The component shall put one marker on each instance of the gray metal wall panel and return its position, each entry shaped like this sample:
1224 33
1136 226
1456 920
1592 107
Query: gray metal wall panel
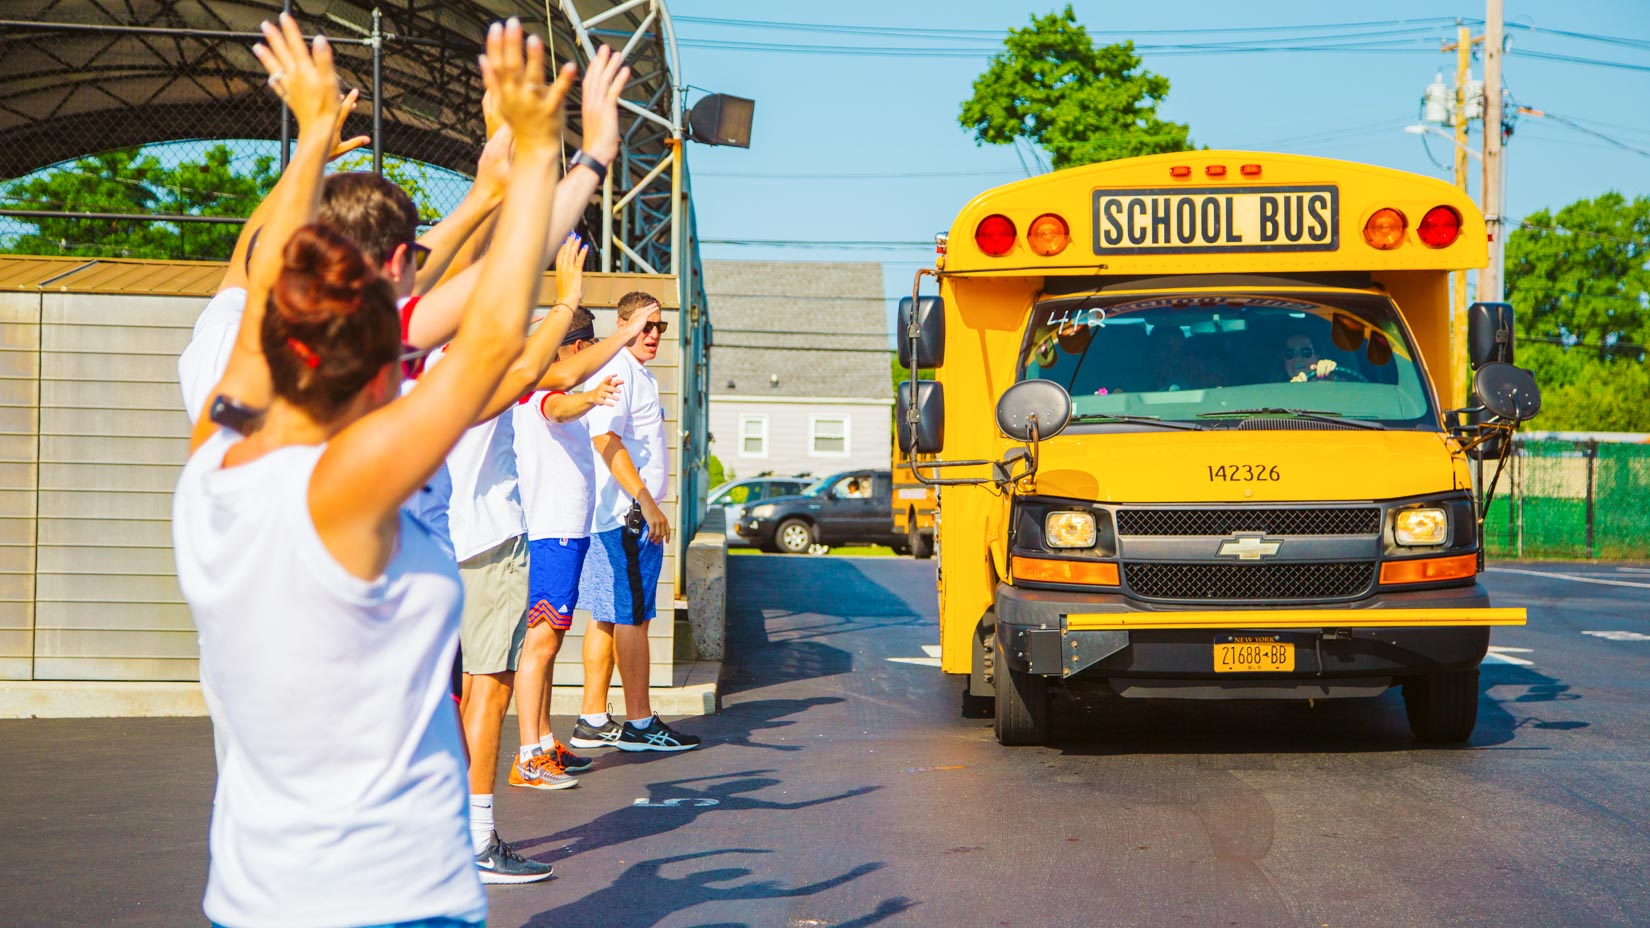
19 468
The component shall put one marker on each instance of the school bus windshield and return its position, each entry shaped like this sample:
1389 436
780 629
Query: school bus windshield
1213 358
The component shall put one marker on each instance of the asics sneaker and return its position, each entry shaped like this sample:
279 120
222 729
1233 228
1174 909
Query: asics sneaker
586 735
499 863
570 762
540 772
656 737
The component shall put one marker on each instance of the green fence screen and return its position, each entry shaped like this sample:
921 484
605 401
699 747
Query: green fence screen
1571 499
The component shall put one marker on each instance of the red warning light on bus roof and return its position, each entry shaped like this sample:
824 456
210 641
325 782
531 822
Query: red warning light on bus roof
1440 227
995 235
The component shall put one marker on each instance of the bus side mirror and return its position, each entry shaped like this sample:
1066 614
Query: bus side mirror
927 434
1489 334
927 320
1040 403
1507 392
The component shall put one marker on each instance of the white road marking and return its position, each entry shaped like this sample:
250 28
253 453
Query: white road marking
932 660
1571 577
1633 570
1619 636
1500 655
697 802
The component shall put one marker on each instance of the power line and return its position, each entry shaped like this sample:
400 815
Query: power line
1564 121
923 32
1576 59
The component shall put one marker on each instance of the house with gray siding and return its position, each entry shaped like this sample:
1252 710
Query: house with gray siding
799 367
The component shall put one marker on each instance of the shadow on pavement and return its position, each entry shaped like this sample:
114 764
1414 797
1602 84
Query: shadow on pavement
647 895
673 804
1095 725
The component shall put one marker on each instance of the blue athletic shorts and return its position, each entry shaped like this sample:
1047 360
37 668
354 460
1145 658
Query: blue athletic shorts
621 579
553 567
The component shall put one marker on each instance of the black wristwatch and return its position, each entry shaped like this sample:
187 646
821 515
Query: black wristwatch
230 414
581 157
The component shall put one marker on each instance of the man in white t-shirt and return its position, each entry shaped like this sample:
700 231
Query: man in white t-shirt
556 465
629 532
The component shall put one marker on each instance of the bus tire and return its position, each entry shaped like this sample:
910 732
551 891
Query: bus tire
794 536
1442 707
1023 707
920 542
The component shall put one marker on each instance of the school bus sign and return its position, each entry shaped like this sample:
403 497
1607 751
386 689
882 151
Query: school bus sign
1178 220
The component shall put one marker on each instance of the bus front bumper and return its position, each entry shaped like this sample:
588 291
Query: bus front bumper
1144 649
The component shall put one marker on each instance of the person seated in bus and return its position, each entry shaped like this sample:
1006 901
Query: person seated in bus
1173 367
1303 362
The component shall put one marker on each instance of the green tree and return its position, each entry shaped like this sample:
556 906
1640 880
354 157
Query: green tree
411 176
1579 282
130 181
1081 102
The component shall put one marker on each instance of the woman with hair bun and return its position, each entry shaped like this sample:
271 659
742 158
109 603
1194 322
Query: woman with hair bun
328 615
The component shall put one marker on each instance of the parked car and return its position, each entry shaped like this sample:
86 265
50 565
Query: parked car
736 496
852 507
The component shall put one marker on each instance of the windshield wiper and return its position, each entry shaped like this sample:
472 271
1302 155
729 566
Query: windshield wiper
1141 420
1315 415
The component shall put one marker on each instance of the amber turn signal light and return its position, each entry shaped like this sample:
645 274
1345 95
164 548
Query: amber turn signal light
1385 229
1045 570
1429 569
1048 235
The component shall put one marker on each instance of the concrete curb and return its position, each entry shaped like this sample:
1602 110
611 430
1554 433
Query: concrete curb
696 692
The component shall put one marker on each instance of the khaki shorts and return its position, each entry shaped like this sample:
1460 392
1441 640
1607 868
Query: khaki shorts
494 622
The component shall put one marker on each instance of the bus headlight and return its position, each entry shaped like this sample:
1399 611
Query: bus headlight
1420 527
1069 529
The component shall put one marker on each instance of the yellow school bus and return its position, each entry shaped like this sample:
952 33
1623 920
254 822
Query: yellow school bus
915 508
1200 436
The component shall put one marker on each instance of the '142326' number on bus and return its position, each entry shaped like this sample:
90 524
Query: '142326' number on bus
1243 473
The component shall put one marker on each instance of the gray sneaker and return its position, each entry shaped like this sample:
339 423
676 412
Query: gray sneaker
499 863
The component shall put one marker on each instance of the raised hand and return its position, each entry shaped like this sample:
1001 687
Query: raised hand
493 170
606 392
604 82
342 146
570 271
632 327
514 72
304 79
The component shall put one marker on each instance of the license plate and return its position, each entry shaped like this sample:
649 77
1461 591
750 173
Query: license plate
1254 654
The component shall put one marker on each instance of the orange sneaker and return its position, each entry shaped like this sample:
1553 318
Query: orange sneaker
540 772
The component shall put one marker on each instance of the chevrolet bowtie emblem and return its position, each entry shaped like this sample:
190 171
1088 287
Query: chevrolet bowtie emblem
1248 548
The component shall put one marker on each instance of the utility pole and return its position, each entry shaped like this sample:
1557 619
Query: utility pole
1462 47
1490 283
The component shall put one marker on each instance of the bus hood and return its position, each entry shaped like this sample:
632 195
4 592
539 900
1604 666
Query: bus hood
1246 466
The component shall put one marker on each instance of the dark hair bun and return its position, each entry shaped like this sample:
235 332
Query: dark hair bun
322 275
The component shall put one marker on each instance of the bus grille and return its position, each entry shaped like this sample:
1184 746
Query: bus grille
1364 520
1250 583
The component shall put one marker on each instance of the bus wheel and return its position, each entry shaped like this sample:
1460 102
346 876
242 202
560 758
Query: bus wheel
1442 707
921 543
794 536
1023 707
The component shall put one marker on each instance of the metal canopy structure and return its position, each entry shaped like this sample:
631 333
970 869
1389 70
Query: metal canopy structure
80 77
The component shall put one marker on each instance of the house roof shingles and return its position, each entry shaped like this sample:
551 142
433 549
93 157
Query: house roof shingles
820 326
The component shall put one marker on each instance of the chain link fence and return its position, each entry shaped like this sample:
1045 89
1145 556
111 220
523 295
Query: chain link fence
147 131
1572 498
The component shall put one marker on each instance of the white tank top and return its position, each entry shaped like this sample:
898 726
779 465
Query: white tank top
341 793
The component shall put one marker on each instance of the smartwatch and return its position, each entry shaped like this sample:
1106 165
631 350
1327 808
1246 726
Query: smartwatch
579 157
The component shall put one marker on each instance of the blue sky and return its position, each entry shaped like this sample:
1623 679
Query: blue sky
820 116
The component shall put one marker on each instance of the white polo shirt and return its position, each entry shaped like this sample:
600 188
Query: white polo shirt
557 467
639 419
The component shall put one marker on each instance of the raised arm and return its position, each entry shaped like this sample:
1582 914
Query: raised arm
437 314
565 407
306 81
371 467
235 275
457 237
570 372
540 350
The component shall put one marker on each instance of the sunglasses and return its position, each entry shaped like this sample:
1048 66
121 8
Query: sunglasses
420 255
1304 351
412 360
659 327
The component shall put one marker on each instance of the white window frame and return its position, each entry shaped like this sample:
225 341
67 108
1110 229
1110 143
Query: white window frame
761 420
847 435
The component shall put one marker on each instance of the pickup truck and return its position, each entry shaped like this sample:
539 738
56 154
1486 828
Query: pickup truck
851 507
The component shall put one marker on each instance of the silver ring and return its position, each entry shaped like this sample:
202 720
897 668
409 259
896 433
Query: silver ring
276 78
